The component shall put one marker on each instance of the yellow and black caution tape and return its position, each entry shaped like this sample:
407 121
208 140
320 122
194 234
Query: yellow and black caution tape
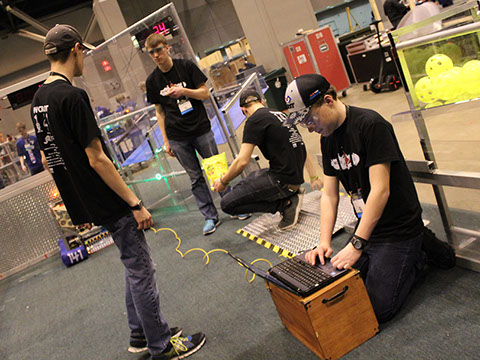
282 252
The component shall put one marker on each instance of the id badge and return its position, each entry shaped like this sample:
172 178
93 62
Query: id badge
358 203
185 106
28 146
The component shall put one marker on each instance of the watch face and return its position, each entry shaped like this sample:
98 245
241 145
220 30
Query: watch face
357 244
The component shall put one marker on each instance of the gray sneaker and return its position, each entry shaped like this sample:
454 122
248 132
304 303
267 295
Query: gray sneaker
290 214
138 342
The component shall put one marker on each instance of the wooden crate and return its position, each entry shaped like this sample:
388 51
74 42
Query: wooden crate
332 321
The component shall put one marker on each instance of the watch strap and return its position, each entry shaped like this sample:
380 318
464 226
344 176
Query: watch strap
138 206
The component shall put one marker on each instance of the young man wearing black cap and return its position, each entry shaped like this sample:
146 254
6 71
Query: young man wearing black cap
177 88
360 149
278 187
94 192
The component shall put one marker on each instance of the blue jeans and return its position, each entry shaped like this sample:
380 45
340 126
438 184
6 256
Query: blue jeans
390 270
184 151
258 192
141 292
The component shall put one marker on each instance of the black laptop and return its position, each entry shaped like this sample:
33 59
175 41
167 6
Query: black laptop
296 275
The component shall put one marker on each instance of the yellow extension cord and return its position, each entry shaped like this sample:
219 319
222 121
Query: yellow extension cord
206 257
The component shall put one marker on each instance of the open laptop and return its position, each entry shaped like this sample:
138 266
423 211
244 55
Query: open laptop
296 275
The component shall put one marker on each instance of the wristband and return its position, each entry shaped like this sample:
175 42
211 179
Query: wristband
313 178
221 182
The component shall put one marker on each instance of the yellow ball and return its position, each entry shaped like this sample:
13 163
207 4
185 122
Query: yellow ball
446 86
434 104
470 78
424 90
438 64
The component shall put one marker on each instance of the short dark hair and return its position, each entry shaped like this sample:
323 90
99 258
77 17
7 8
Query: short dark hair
331 91
60 57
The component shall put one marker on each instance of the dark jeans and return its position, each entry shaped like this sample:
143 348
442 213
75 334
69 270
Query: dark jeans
258 192
141 292
184 151
390 270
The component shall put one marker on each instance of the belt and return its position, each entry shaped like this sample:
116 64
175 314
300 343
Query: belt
293 188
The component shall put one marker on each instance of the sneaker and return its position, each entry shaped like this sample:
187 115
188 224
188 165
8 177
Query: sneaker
138 343
241 216
439 253
181 347
210 226
290 214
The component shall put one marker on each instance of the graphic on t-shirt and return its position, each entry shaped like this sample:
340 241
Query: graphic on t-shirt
345 161
165 90
295 137
52 154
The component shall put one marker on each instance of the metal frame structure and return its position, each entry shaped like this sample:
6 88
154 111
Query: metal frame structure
428 171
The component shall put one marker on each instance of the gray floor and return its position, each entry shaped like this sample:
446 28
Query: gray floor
53 312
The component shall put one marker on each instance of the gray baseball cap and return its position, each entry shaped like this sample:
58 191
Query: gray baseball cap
63 37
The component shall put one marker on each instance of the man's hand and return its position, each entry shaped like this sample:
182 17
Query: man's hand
175 92
168 149
316 183
143 217
24 168
218 186
347 257
323 250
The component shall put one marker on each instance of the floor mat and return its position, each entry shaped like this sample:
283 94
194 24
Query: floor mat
264 229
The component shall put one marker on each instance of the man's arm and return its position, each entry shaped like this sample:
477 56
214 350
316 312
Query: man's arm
160 113
106 170
237 166
377 200
44 161
328 216
200 93
315 180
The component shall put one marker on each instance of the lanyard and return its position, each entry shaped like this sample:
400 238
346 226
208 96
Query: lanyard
170 83
53 73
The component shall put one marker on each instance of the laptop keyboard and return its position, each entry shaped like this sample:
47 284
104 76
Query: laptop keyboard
308 275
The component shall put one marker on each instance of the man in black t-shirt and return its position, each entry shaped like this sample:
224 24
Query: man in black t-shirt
94 192
177 88
360 149
278 187
395 11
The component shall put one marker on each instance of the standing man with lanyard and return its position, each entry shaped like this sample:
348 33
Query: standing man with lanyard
28 150
94 192
177 88
360 149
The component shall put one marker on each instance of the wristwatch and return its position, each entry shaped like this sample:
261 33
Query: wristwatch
138 206
358 242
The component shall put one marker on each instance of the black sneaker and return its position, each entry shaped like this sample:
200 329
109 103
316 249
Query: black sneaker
181 347
138 343
439 253
290 214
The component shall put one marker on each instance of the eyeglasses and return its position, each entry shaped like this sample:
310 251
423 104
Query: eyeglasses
157 49
309 120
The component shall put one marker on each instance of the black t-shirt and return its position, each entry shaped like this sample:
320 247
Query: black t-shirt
65 126
363 140
177 126
281 144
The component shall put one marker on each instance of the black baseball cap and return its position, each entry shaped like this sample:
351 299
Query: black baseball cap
248 96
302 93
63 37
